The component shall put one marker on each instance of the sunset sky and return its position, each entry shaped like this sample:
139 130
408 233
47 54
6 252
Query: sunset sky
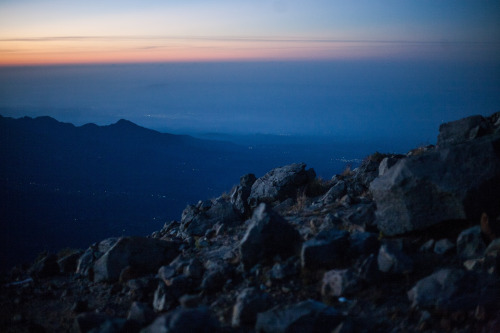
58 32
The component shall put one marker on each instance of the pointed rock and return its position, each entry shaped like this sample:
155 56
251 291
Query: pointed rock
268 235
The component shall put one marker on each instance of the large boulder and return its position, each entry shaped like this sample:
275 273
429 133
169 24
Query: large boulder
239 195
268 235
143 255
85 263
307 316
280 184
456 290
459 180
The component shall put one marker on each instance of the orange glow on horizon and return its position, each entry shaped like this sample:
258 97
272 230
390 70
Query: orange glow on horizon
94 50
87 52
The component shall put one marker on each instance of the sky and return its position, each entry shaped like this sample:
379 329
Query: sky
96 31
356 69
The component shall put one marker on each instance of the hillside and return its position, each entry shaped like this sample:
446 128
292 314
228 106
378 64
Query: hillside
74 185
401 243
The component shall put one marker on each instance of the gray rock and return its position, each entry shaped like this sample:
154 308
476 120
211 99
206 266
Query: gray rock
454 182
249 303
361 215
326 250
196 220
339 282
141 313
443 246
462 130
392 259
142 254
437 288
280 184
163 299
367 172
386 164
268 235
336 192
470 244
85 264
239 195
184 320
307 316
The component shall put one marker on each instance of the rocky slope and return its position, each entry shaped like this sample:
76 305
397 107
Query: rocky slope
402 243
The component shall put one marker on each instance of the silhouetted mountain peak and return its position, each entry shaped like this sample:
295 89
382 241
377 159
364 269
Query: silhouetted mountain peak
125 123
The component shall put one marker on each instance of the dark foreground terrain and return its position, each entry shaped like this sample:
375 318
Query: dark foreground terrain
402 243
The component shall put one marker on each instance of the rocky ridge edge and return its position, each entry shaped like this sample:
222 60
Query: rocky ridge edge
403 242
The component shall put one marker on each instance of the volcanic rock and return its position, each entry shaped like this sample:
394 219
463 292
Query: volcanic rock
268 235
145 255
458 180
280 184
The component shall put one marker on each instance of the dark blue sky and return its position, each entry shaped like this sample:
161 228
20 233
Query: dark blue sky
353 100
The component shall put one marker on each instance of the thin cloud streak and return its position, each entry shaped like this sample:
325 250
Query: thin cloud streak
237 39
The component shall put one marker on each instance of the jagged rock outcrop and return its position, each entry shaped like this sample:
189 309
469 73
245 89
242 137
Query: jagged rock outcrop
197 220
280 184
460 179
241 193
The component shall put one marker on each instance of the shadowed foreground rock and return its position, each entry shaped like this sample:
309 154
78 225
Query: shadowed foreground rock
399 244
457 180
143 255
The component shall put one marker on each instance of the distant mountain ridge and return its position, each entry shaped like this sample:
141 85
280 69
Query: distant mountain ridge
73 184
69 185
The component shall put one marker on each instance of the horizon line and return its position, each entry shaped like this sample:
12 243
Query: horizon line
241 39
